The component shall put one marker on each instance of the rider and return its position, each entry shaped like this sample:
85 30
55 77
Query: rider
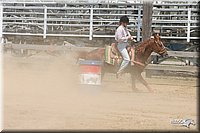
122 36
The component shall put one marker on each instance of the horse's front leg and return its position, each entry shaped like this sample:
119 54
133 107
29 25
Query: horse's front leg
141 79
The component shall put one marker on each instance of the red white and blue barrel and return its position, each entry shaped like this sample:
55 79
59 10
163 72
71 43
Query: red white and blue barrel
90 72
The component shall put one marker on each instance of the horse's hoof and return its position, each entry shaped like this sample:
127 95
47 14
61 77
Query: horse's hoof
117 75
135 90
152 91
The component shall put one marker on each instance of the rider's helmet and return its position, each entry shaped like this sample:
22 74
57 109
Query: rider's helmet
124 19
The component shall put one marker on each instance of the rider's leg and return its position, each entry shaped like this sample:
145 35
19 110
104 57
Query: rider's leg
126 60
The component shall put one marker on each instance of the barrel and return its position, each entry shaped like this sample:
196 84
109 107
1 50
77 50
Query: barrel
90 72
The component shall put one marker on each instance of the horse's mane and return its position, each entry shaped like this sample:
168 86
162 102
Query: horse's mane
142 45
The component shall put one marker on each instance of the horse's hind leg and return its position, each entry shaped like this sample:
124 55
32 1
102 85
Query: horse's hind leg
103 71
133 82
102 74
141 79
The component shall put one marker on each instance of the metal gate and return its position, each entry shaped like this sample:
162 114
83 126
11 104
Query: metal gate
174 20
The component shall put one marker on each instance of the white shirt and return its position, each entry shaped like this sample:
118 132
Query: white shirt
122 34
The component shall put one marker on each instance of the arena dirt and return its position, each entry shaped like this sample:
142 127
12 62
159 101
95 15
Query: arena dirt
43 92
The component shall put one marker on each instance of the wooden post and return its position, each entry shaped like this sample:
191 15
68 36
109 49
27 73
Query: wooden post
146 24
147 19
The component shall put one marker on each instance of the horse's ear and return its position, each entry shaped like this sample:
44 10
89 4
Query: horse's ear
156 36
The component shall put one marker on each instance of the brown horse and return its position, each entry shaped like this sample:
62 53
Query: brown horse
143 50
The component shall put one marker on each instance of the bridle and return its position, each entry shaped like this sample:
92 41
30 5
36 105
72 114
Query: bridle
163 50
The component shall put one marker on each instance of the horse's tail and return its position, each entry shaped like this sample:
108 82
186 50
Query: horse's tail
97 54
81 55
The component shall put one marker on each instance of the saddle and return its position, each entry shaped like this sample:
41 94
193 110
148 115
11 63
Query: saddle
114 56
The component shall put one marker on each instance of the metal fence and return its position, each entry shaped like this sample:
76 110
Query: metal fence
174 20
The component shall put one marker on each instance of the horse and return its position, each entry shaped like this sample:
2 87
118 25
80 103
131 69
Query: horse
143 51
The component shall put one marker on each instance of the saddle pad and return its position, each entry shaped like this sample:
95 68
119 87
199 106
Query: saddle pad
108 58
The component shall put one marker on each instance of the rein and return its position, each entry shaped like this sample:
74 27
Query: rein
163 49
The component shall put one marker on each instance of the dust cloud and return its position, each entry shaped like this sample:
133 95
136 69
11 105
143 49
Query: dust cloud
44 92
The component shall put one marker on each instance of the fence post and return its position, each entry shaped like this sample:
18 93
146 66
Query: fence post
147 19
188 27
1 56
45 22
139 23
91 23
1 20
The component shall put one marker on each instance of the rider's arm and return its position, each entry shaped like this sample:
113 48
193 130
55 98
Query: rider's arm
128 33
120 35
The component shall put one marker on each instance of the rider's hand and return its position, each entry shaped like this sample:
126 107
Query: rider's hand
133 39
129 37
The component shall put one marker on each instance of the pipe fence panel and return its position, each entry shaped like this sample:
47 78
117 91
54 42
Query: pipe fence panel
174 20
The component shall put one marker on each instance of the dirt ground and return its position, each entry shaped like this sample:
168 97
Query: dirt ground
43 92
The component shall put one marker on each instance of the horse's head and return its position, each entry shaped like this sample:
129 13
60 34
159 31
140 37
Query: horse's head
158 46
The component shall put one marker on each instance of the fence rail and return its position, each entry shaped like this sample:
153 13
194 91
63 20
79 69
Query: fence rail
11 45
161 70
150 70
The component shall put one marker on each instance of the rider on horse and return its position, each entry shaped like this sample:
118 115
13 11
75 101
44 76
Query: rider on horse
122 36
